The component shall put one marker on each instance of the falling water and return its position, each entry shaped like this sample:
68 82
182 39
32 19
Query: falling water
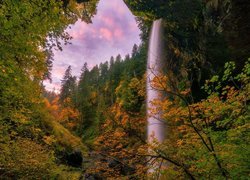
156 128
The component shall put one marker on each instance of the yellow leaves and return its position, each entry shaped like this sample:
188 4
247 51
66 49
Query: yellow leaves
134 83
49 139
143 149
28 158
106 87
182 129
159 82
179 142
155 107
21 117
119 87
64 137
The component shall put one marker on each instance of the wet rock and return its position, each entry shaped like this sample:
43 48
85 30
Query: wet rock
127 170
92 177
74 158
113 163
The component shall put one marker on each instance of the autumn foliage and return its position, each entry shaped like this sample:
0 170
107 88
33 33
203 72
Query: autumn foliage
204 139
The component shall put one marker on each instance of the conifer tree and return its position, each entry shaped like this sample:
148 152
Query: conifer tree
68 85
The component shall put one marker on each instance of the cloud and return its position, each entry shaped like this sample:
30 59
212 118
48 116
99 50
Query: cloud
106 33
113 31
52 86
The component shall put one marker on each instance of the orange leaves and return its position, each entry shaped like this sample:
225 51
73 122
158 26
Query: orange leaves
49 139
69 117
119 133
179 142
119 141
125 120
159 82
191 128
66 115
185 92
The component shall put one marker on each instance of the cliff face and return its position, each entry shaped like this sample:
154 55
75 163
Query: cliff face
237 28
200 36
229 19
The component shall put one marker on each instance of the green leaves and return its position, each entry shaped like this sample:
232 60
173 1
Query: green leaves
245 75
130 94
229 68
28 28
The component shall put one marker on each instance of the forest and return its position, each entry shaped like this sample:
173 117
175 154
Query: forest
96 126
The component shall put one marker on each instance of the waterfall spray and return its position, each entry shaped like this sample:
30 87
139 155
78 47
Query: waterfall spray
156 128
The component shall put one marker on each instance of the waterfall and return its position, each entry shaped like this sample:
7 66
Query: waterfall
154 67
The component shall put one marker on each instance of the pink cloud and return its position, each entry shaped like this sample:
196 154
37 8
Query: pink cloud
106 33
78 32
113 31
52 86
58 72
133 26
107 21
118 33
118 5
121 10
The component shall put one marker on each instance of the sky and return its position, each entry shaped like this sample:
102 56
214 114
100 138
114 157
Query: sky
113 31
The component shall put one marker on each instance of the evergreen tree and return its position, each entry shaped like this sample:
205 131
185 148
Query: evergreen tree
68 86
134 50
